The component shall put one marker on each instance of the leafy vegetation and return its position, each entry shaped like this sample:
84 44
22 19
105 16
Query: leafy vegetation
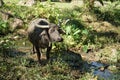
4 28
110 12
87 39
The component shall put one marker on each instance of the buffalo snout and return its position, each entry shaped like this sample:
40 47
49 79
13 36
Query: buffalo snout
60 39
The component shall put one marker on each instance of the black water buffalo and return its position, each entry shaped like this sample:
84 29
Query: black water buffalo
41 34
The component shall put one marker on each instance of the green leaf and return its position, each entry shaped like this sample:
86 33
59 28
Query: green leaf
4 25
85 48
68 30
78 31
85 31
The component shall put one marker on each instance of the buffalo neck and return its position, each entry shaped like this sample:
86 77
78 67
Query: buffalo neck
47 30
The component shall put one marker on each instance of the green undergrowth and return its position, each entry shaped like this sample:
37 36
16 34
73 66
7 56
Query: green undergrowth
66 59
110 13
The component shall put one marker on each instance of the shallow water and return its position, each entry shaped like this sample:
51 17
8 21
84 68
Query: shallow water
100 71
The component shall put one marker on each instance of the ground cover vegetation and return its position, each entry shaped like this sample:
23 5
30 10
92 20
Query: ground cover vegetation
92 35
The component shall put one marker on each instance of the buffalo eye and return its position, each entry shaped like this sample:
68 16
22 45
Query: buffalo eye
44 35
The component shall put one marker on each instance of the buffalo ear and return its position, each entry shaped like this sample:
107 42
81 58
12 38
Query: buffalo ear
61 31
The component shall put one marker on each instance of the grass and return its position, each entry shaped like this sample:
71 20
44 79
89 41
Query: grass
109 12
11 1
84 42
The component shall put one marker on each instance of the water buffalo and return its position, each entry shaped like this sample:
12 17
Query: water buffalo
41 34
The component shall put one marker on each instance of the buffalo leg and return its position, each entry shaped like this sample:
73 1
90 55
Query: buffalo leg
48 51
33 49
38 54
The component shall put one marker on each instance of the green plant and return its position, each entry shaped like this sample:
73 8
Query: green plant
72 34
89 4
5 46
4 27
108 13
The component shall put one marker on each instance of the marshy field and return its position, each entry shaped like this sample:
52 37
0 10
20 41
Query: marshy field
90 49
